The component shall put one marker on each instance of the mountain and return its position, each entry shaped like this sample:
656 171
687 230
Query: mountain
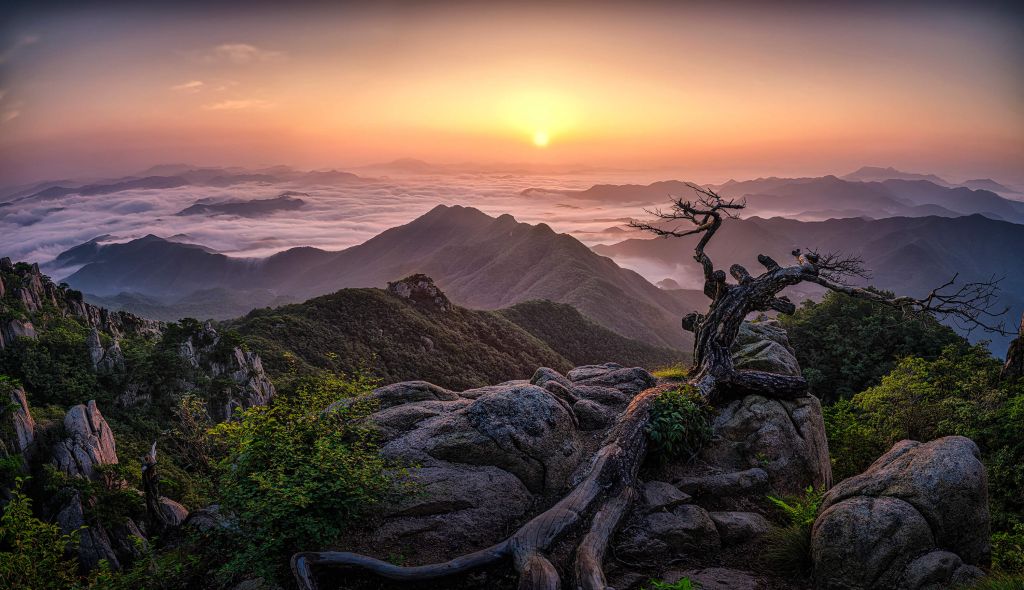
905 255
396 335
989 185
583 342
287 201
878 174
480 261
619 193
219 303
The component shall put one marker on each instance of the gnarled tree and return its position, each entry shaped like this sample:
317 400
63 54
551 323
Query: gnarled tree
594 507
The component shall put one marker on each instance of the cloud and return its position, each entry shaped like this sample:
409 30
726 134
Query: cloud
10 115
243 53
239 104
19 43
190 86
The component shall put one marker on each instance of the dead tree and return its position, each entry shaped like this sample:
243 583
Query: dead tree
151 488
594 507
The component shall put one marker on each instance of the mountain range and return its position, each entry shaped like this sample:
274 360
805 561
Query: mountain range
480 261
905 255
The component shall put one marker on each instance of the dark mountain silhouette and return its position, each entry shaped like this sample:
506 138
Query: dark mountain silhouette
878 174
905 255
288 201
480 261
818 198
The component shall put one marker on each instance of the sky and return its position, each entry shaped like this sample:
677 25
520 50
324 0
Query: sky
714 90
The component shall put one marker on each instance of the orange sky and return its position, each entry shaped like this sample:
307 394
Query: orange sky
720 92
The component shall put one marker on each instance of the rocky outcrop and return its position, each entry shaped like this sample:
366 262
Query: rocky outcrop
249 385
420 290
88 442
917 518
1014 366
764 346
785 438
485 457
104 360
24 290
18 428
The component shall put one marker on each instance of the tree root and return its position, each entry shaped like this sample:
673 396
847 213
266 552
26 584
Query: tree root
603 497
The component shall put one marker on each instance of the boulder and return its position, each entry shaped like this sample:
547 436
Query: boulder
785 438
592 415
544 375
736 483
717 578
175 512
628 381
659 495
589 371
88 442
736 527
480 459
917 518
665 534
764 346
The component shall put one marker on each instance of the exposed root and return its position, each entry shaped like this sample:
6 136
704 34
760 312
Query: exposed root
603 497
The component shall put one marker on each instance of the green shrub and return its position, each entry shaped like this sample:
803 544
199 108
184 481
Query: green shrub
1008 551
32 552
787 550
800 510
681 584
1000 582
680 423
296 475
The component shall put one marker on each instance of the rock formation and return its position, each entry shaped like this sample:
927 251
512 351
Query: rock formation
420 290
24 290
917 518
17 427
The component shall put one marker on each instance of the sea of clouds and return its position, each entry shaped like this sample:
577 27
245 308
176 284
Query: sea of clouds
333 218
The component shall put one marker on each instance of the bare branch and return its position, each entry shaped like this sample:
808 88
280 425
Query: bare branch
703 213
969 306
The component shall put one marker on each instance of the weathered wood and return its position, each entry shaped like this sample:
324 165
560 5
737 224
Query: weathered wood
602 496
151 488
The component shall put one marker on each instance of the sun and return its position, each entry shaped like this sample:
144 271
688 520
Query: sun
540 138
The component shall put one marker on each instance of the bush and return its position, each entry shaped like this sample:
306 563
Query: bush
681 584
1008 551
846 345
32 552
1000 582
787 550
298 472
680 423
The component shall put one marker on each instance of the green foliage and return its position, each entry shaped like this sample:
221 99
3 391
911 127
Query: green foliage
800 510
681 584
32 552
581 340
1008 551
680 423
55 367
846 345
298 472
959 392
677 372
1000 582
368 330
787 550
